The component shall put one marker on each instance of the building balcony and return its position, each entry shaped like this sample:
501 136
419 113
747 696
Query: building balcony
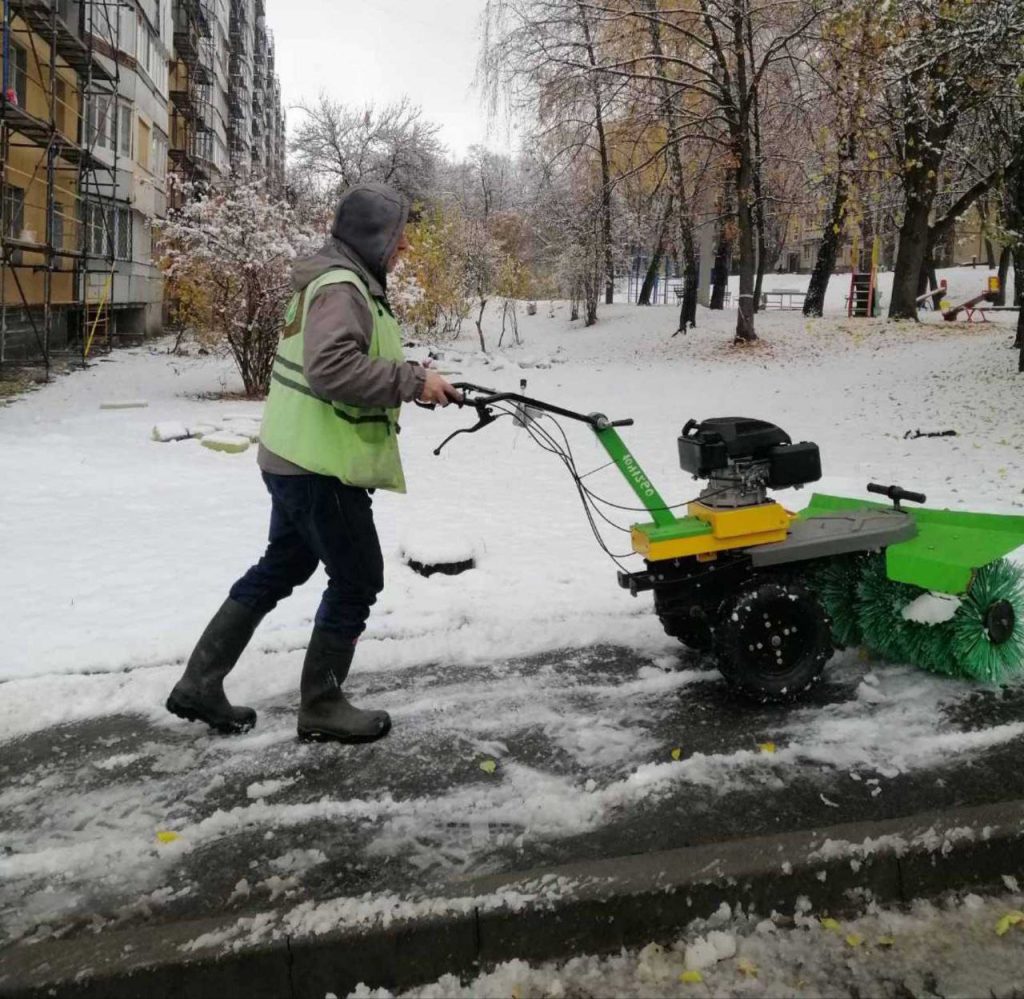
186 41
39 15
184 102
204 19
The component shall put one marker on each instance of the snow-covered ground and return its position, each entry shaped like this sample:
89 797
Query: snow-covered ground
960 949
117 548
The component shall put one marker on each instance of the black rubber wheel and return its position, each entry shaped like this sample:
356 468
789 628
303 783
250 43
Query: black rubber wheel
689 624
773 641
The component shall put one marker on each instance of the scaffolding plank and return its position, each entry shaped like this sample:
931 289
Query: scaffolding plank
41 17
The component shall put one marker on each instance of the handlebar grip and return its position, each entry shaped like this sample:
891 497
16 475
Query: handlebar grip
896 493
621 423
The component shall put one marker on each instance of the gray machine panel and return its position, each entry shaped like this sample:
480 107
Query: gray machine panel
841 532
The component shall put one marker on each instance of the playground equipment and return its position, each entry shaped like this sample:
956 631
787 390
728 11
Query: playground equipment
771 593
863 298
979 305
940 291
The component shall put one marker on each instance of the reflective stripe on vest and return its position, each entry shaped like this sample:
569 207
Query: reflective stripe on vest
358 445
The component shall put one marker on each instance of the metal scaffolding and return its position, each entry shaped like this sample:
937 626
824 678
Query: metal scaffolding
191 145
58 108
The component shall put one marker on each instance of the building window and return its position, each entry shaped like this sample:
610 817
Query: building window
14 211
142 44
108 230
158 155
99 121
57 235
96 218
124 234
62 109
19 79
124 135
144 145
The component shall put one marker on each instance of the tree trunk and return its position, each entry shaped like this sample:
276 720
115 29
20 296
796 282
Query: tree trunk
479 327
1018 281
937 292
685 245
916 237
741 126
928 280
691 280
644 298
590 297
720 270
910 259
745 313
651 276
757 209
1005 256
762 255
602 145
828 250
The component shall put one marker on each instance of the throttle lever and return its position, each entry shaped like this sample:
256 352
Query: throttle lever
486 416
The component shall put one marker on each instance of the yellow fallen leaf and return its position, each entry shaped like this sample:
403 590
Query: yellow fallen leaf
886 941
766 747
488 766
677 753
691 977
828 923
854 939
1010 919
747 967
167 837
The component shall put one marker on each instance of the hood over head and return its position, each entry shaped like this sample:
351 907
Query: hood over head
368 223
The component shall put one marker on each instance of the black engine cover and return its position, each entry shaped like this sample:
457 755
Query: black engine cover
706 446
712 445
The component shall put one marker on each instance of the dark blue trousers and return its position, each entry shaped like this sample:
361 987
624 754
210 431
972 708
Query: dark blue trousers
314 519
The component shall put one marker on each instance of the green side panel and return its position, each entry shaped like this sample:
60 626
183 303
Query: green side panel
683 527
950 544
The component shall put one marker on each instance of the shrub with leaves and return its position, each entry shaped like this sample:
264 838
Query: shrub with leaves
429 291
226 258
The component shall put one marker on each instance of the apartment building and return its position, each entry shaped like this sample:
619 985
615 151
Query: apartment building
255 121
102 102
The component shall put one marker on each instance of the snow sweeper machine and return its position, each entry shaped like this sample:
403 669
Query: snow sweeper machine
770 593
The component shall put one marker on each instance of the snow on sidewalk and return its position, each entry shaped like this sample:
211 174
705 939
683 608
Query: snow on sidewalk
117 548
959 949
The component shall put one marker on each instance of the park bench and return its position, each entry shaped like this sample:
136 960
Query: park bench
678 291
784 298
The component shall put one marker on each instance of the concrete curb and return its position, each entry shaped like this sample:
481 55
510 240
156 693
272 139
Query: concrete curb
616 902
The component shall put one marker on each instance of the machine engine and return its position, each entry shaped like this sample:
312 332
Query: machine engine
743 458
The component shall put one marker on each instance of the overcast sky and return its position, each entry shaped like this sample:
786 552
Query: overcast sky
362 50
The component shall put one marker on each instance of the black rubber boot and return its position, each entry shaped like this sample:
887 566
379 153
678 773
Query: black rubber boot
199 694
326 715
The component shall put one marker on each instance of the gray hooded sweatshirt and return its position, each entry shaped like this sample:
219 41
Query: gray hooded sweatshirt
339 326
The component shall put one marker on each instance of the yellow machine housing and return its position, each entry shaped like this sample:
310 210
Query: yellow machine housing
707 530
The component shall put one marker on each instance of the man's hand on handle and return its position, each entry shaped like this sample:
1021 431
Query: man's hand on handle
437 390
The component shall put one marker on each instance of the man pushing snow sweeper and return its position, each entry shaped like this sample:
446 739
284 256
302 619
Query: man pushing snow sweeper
328 439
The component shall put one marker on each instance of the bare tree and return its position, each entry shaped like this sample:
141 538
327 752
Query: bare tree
542 56
341 146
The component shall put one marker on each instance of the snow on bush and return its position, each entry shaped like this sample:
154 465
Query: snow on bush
226 258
